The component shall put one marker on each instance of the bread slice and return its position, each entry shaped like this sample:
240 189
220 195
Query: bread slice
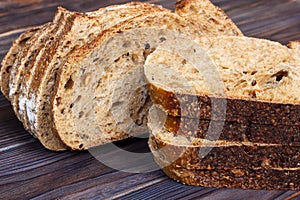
234 131
11 56
204 11
25 60
259 179
118 99
81 31
43 54
197 153
239 78
21 62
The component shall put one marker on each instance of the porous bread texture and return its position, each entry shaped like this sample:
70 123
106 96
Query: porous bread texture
259 179
128 63
198 153
251 78
204 11
80 32
111 113
11 56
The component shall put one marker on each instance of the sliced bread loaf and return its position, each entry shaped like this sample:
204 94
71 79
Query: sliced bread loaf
196 153
80 31
26 59
44 47
21 62
227 78
75 49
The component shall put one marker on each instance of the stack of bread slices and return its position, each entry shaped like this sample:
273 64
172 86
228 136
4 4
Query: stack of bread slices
225 110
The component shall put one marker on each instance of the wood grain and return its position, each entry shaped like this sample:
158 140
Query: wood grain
28 171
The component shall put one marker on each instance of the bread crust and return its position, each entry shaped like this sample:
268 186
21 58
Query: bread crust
226 155
258 179
234 131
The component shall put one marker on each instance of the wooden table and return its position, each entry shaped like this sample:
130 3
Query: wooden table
28 171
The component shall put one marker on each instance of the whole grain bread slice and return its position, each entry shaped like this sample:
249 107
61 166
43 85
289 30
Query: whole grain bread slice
196 153
25 59
42 54
11 56
258 179
81 31
227 78
203 10
123 78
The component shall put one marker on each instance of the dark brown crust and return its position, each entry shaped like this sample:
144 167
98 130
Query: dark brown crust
261 179
233 131
256 112
265 157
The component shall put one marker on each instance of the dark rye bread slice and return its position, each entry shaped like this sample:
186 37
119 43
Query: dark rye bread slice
203 10
195 153
245 79
11 56
108 90
80 32
233 131
43 54
258 179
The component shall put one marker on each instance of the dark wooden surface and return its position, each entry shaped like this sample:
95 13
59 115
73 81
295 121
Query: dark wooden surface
28 171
